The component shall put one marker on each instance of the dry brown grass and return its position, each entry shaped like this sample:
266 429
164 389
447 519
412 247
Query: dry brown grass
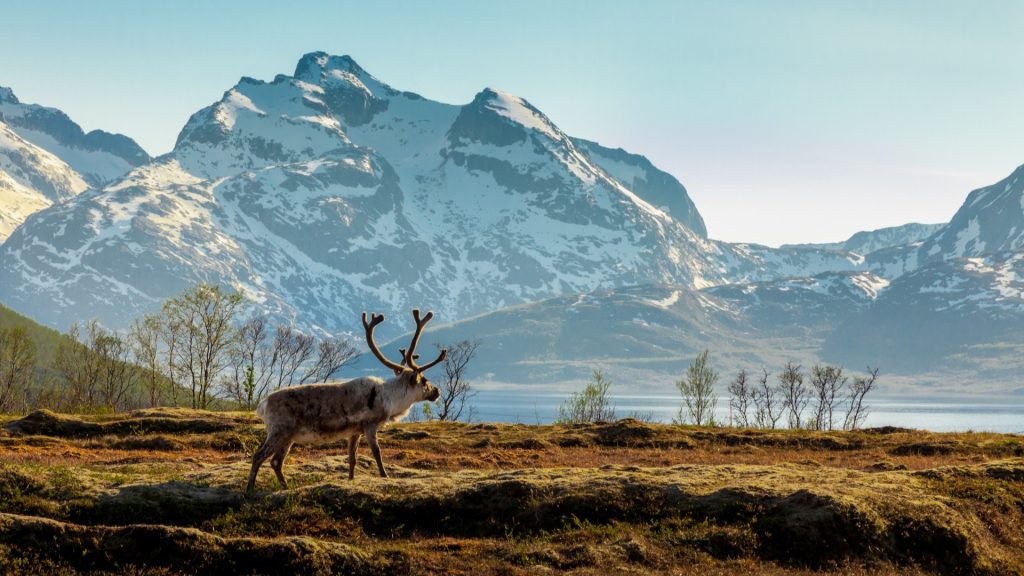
625 497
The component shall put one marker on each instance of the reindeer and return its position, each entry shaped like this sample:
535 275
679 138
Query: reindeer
321 413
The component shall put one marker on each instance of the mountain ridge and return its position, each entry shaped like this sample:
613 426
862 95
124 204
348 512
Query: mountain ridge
328 192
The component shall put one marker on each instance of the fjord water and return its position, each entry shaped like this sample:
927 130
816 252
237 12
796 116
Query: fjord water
936 413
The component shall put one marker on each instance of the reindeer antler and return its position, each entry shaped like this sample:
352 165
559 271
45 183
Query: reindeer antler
410 357
369 326
405 358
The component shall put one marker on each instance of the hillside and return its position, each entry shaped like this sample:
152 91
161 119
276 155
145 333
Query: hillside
46 339
638 334
160 492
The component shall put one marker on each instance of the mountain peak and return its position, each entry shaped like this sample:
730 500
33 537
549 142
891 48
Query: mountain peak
313 64
515 109
7 95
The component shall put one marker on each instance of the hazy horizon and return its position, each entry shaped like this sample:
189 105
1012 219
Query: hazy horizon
787 123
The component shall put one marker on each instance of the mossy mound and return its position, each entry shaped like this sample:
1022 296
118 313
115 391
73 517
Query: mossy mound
798 515
47 423
186 550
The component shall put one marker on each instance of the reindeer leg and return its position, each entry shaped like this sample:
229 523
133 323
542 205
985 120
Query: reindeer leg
277 463
371 437
353 446
258 457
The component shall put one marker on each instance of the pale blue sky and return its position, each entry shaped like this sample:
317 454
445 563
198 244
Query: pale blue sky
787 121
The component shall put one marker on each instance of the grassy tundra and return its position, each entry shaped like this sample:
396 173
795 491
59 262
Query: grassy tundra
161 492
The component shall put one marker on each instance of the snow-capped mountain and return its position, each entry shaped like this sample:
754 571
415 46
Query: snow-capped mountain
933 318
990 221
328 192
30 179
99 157
959 316
868 241
45 158
653 185
642 336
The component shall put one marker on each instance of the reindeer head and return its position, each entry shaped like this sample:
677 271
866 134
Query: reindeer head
408 371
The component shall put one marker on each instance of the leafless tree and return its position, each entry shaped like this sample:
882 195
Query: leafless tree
455 388
17 364
740 395
291 350
203 318
79 367
251 363
698 392
768 407
115 370
856 410
333 354
144 337
169 367
795 395
96 369
827 384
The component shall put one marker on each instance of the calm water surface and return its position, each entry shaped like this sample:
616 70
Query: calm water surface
939 414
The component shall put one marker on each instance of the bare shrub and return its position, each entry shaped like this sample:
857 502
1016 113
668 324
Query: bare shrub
740 397
333 354
856 410
827 384
592 404
144 340
768 405
698 392
456 390
202 319
795 395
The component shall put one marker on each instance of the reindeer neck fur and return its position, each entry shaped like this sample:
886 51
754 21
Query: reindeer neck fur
398 396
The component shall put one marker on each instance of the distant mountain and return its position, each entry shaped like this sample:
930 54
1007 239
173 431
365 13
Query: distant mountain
961 319
30 179
45 158
659 188
99 157
328 192
869 241
640 334
947 316
990 221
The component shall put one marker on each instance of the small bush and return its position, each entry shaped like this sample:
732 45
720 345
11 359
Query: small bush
592 404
